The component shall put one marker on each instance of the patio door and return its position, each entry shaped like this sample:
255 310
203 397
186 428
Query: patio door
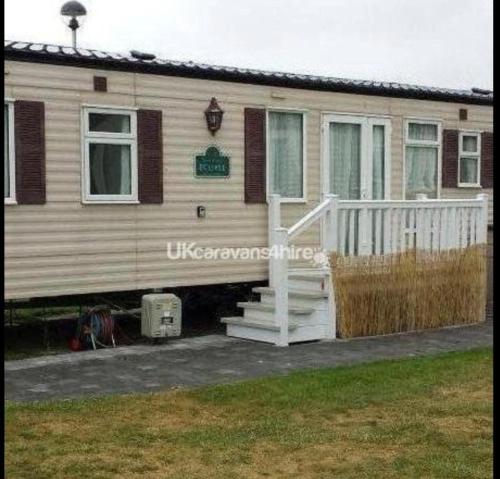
356 156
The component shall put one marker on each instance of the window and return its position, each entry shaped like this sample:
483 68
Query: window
8 154
110 143
469 160
286 154
422 149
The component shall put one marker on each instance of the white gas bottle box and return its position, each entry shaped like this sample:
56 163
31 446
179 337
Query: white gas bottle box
161 315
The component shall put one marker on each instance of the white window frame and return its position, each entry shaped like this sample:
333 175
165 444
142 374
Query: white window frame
11 199
109 138
367 122
304 154
469 154
412 142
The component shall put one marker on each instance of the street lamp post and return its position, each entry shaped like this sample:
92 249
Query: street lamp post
73 14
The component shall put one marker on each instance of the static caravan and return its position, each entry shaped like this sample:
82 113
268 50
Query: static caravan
112 160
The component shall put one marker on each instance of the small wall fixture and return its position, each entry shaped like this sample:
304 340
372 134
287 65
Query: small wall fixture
214 114
201 211
100 84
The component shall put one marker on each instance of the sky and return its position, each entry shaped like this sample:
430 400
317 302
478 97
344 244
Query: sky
446 43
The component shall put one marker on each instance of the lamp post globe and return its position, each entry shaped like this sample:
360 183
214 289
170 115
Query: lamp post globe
73 14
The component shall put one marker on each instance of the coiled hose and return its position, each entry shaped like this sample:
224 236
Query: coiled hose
96 327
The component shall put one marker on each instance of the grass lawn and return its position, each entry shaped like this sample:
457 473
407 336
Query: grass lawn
416 418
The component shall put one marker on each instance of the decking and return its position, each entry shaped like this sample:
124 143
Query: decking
299 304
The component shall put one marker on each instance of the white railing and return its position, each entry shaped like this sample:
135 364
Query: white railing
374 227
385 227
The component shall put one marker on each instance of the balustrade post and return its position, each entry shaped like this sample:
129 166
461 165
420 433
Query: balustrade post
419 223
364 243
281 286
274 222
483 226
329 238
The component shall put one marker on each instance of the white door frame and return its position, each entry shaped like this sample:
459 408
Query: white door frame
367 123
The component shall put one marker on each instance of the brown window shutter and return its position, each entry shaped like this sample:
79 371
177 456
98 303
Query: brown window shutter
449 170
29 132
487 159
255 155
150 156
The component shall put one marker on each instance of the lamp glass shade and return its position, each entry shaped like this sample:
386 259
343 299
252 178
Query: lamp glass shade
73 9
213 115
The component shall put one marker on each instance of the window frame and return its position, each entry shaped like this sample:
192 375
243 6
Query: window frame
11 199
304 114
109 138
468 154
387 124
438 143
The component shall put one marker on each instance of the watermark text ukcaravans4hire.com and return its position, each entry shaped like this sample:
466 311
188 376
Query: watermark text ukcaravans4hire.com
191 251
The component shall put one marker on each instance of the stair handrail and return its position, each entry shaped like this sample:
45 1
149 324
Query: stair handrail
309 219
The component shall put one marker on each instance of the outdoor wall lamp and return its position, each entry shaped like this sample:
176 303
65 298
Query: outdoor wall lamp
214 114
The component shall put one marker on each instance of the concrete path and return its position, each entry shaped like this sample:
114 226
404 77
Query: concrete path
213 359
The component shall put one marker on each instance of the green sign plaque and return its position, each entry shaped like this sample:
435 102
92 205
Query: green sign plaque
212 164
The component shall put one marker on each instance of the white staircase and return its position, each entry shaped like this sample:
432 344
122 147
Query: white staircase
299 305
309 312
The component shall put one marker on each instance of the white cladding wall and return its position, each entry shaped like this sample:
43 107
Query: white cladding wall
65 247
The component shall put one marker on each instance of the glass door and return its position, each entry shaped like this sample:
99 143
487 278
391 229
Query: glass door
356 166
356 157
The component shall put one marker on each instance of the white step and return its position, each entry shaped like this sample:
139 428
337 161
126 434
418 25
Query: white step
265 312
302 270
269 333
297 298
270 307
297 293
255 323
310 280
